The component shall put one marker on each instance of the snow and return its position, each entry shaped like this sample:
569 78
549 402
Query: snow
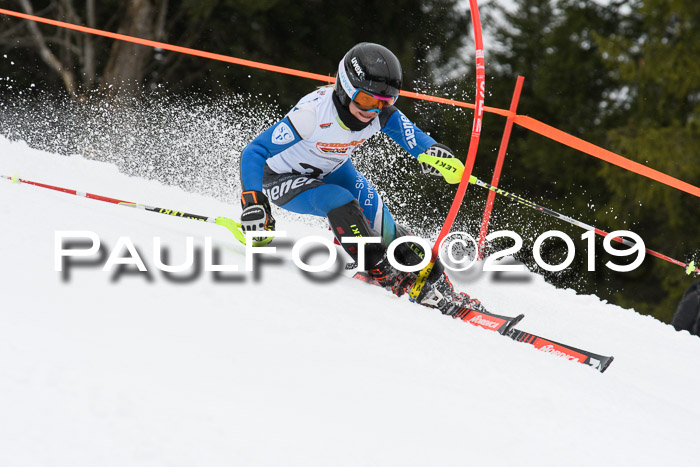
271 368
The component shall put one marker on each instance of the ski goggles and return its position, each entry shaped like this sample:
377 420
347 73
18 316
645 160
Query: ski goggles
364 100
369 102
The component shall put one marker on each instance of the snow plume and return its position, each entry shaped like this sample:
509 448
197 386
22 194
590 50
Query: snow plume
194 142
190 142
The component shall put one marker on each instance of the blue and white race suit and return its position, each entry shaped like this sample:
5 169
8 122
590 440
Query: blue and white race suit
302 163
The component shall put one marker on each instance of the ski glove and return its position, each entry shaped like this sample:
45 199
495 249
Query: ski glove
437 150
256 215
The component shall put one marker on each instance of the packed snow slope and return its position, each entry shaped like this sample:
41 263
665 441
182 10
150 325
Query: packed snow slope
270 368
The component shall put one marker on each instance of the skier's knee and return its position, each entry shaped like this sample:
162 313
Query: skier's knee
349 221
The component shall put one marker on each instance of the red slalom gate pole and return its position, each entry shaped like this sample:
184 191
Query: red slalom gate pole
471 154
70 191
499 164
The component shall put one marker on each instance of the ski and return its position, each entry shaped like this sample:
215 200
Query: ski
505 325
483 319
492 322
364 277
599 362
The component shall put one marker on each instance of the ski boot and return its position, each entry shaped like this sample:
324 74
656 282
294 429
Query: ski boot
387 276
438 292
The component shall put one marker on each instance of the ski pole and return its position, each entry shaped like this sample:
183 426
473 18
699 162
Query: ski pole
230 224
689 268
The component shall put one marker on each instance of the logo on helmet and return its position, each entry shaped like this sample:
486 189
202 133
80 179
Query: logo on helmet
358 69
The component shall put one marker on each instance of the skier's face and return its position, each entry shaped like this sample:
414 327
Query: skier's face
361 115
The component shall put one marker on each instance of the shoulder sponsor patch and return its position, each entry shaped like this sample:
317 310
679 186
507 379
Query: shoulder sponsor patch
409 132
282 134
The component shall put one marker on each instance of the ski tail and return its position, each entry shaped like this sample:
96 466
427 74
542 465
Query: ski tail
599 362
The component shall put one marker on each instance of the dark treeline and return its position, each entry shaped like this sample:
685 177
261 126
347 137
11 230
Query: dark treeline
624 76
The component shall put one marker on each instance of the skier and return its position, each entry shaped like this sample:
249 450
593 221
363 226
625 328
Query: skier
687 316
302 164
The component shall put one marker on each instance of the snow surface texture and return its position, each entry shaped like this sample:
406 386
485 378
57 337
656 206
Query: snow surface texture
279 370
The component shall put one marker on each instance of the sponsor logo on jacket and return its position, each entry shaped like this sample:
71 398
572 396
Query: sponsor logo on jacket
409 132
338 148
282 134
278 191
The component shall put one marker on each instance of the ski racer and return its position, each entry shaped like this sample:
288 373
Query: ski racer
302 164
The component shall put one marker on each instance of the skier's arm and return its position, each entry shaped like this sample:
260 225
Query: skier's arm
270 142
395 124
257 214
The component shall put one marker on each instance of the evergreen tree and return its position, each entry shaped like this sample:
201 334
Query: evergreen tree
310 36
622 76
552 45
658 59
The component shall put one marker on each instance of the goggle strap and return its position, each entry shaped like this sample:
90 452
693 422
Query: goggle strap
347 86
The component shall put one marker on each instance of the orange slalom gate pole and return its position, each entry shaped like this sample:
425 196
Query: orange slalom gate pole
220 57
526 122
499 164
166 46
608 156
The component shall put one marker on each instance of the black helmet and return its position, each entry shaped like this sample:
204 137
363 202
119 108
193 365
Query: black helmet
371 67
